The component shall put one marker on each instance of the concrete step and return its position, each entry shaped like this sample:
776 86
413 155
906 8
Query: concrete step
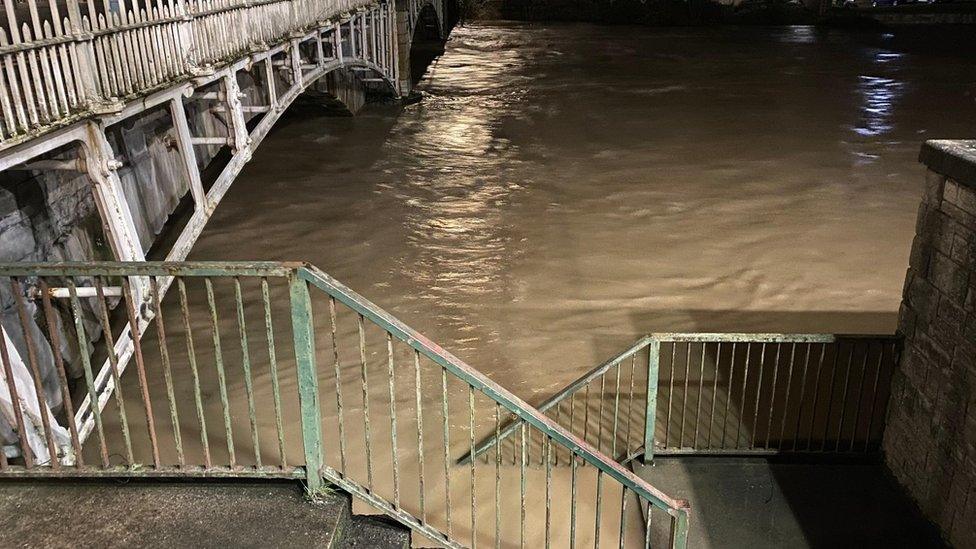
68 513
374 532
760 503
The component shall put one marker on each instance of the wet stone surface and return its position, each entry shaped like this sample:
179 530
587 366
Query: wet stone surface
167 514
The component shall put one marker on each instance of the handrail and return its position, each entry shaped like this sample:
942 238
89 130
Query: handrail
499 394
564 393
62 67
759 337
223 293
150 268
858 362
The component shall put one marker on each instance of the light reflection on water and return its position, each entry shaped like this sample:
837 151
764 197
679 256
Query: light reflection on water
880 96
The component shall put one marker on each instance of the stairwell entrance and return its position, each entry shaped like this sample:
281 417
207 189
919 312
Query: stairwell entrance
356 401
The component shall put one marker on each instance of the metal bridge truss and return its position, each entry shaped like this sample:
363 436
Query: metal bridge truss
358 36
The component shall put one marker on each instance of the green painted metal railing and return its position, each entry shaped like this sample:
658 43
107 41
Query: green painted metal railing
728 394
222 391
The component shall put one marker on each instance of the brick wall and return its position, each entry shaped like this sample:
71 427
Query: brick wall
930 438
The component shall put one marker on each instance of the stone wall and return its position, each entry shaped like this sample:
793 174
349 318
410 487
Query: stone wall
930 438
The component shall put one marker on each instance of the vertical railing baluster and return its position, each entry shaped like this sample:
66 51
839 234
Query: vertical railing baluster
803 386
35 372
701 390
772 394
860 394
548 490
559 416
338 385
25 448
650 410
134 335
728 399
194 371
599 509
273 365
603 392
711 415
755 418
572 412
114 366
742 398
786 400
622 534
365 383
843 400
647 523
630 401
572 501
246 366
167 370
586 416
616 410
684 395
83 347
55 333
498 476
447 451
474 506
816 395
830 396
522 463
391 377
221 374
420 435
308 381
667 419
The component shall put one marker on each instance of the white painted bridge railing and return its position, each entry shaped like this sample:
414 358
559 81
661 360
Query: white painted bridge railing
64 60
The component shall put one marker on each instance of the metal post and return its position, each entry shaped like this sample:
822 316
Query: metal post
679 537
319 50
270 77
297 78
308 384
116 216
184 141
337 37
113 208
650 414
242 140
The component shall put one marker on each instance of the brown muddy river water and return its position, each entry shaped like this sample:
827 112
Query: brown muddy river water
563 189
560 191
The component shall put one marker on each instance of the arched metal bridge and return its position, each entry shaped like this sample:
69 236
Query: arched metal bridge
69 71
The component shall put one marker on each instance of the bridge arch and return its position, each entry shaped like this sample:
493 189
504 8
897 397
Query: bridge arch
212 109
199 107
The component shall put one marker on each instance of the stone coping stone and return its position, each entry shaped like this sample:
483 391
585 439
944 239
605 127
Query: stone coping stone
953 158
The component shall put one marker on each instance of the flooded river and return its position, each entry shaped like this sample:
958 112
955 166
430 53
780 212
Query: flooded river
563 189
558 192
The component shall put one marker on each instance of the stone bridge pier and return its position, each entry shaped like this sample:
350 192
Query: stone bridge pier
418 21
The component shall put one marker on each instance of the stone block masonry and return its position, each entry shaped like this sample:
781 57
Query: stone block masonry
930 437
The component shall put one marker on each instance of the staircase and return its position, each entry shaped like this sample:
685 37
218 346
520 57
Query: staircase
276 370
